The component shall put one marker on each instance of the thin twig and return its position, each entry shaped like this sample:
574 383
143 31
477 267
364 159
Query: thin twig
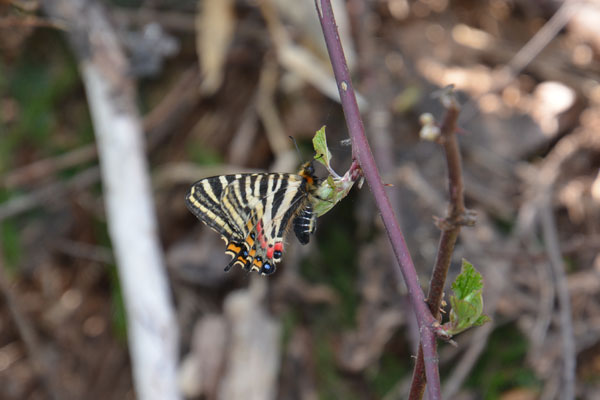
526 54
538 42
49 166
552 246
540 210
450 230
362 153
50 192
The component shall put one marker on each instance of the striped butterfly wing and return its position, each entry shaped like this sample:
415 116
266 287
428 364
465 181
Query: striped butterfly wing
204 201
271 203
252 212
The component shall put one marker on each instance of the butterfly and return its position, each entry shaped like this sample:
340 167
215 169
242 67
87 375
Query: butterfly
253 212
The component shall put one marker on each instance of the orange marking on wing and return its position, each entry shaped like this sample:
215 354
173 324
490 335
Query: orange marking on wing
233 248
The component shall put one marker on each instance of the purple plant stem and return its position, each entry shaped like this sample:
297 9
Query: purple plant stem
456 211
362 152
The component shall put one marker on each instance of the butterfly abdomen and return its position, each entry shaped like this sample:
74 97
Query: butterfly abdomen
305 224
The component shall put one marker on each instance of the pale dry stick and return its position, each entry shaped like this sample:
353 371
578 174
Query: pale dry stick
526 54
244 137
151 322
266 109
298 60
215 26
428 325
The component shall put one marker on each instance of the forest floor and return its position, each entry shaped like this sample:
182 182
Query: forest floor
221 88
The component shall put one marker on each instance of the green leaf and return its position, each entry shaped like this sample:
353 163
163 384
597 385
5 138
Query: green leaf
320 145
467 301
330 192
335 187
331 182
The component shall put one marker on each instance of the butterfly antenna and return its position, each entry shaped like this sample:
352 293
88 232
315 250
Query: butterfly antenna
297 148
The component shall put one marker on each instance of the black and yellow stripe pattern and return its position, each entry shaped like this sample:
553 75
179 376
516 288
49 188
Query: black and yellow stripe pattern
252 213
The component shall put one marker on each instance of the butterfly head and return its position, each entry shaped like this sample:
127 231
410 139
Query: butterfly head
307 171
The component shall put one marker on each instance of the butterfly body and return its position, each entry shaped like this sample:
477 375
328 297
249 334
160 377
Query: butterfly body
253 212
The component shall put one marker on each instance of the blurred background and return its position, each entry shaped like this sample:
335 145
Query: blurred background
221 85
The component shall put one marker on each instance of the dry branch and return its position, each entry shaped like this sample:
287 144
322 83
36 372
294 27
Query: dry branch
152 328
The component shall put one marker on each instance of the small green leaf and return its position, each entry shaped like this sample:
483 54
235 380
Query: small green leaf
331 182
320 145
335 187
468 281
329 193
482 320
467 301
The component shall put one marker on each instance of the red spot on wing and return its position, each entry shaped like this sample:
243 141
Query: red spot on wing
260 236
278 246
270 251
